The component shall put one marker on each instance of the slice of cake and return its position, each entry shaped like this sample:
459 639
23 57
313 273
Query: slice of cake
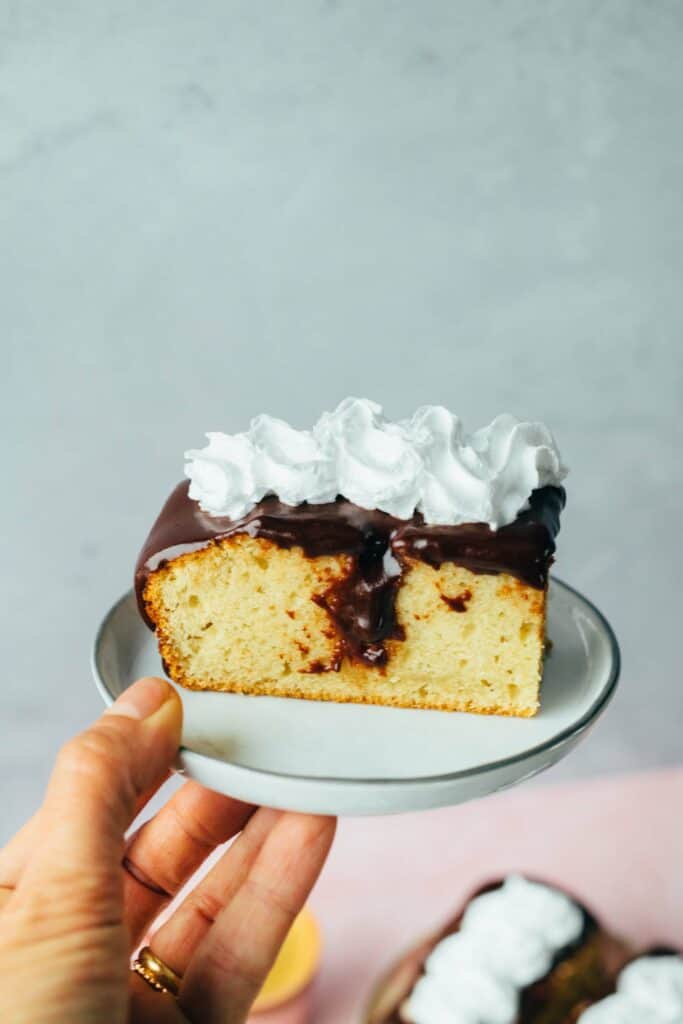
520 952
648 991
389 563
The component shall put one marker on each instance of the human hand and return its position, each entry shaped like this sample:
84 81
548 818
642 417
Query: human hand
76 900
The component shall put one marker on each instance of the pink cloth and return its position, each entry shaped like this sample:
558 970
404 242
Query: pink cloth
618 843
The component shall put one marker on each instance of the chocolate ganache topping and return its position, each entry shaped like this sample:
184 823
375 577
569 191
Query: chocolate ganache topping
381 546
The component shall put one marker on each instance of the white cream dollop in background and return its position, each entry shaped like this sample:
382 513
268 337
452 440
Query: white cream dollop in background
508 939
649 991
426 463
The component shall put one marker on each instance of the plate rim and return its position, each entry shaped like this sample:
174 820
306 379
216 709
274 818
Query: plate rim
570 732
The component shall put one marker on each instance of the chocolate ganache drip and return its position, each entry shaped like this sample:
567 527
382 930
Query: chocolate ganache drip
362 605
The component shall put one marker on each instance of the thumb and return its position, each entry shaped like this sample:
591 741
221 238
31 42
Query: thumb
91 798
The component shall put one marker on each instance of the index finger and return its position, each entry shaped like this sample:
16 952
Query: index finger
169 848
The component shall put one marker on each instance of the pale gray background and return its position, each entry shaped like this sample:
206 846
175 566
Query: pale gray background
211 210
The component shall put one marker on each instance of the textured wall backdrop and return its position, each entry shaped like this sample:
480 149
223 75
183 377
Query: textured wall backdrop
211 211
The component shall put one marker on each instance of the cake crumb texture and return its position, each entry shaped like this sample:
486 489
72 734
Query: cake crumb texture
241 615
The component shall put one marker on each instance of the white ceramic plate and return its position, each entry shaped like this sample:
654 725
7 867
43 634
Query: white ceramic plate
357 759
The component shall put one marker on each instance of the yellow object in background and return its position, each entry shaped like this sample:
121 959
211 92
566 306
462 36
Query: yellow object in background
295 966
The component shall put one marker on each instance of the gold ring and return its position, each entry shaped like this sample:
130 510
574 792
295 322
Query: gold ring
156 973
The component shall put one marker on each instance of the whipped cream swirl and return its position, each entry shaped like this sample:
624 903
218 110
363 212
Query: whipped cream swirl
376 464
649 989
222 475
426 464
508 939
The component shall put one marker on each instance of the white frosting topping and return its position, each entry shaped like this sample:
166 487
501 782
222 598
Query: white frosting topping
649 989
290 463
426 463
376 464
508 939
222 475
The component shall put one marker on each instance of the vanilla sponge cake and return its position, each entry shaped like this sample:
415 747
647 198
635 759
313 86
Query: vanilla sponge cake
398 564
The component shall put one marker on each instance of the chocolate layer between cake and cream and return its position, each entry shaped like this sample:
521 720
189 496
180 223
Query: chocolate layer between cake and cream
377 498
363 604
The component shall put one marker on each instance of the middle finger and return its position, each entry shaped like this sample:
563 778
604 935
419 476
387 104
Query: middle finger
169 848
177 938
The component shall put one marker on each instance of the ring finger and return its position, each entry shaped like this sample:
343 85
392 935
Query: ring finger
224 936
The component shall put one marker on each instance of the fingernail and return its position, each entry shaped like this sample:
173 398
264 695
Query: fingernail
142 699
